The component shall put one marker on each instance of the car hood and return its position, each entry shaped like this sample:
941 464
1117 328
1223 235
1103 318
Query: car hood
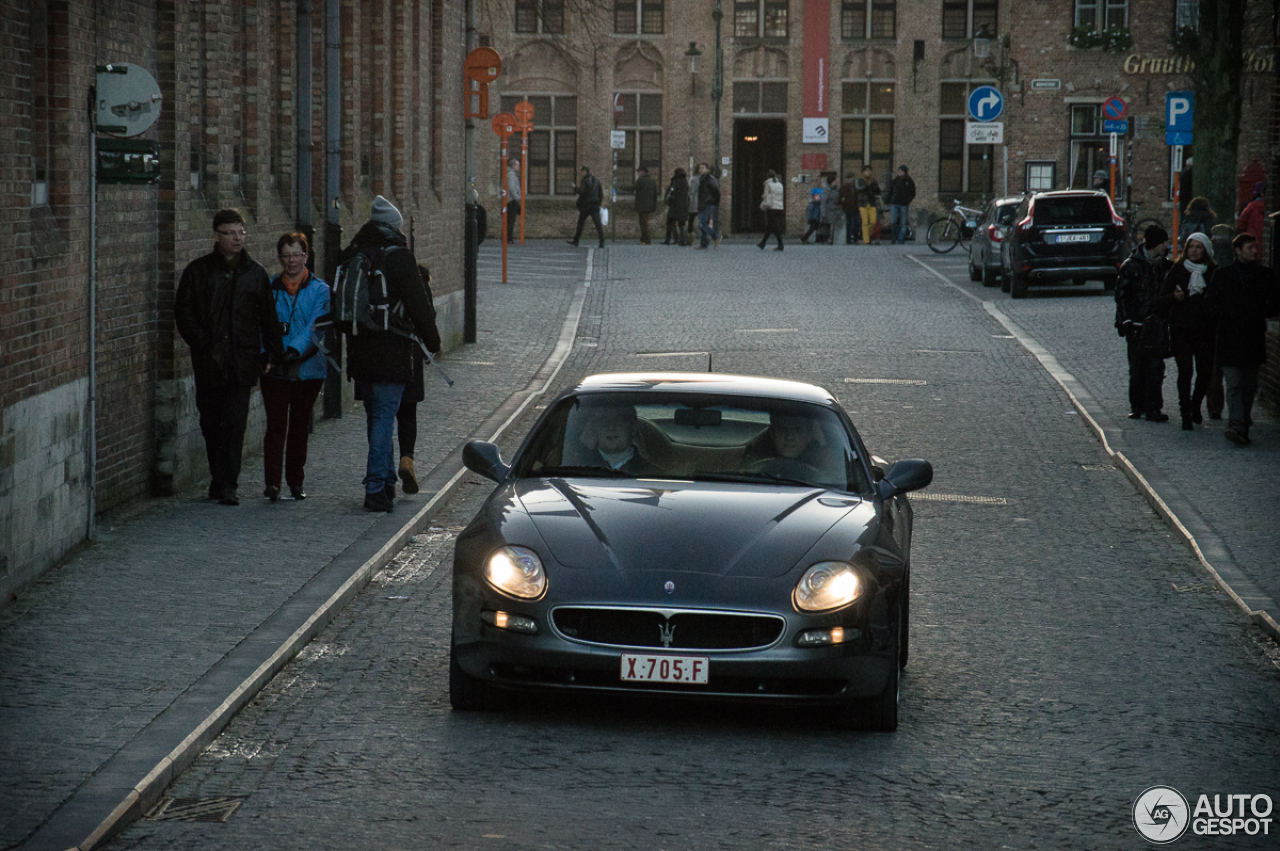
683 527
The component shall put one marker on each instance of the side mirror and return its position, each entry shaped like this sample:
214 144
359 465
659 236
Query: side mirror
878 466
909 474
485 459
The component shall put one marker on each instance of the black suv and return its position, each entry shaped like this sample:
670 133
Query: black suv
1073 235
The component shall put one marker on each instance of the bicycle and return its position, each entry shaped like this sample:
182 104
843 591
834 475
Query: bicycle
1135 227
957 228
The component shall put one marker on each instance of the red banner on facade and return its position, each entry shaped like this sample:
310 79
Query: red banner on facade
817 69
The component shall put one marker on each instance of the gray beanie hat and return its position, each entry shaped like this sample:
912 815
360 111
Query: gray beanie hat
384 211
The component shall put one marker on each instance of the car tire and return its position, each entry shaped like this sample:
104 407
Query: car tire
1017 285
469 694
905 630
879 714
975 274
989 277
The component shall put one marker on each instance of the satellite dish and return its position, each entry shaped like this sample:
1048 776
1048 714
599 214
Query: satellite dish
128 100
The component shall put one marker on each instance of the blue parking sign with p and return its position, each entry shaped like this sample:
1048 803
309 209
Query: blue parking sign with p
1179 109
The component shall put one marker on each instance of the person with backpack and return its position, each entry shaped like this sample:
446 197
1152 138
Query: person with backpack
590 197
407 415
708 207
380 360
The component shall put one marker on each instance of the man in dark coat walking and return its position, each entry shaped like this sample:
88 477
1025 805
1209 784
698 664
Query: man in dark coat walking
646 201
226 313
902 191
1243 295
381 362
590 196
1141 302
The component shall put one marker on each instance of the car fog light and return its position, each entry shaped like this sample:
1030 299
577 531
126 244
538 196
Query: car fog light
508 621
828 585
516 571
827 637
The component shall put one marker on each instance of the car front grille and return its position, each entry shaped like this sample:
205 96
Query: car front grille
681 630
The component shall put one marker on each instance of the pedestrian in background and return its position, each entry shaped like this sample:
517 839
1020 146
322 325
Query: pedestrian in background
902 191
830 210
1253 217
513 197
677 201
226 315
1141 309
1191 325
868 203
646 193
1198 218
813 217
708 207
407 415
381 362
289 392
1242 295
849 206
772 204
590 197
693 207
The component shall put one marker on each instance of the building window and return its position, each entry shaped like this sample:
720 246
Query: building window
1186 16
639 115
766 97
1102 14
963 18
866 127
553 142
637 16
540 16
961 167
856 23
1042 176
41 104
760 18
1091 148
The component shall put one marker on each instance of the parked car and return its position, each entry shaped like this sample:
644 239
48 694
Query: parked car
1070 235
988 238
688 535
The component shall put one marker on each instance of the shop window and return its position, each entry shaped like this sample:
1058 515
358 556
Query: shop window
760 18
637 16
1042 176
639 115
1091 148
861 19
540 16
963 18
961 167
1102 14
553 142
866 127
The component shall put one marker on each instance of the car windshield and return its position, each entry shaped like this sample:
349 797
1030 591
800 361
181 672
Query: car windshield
1078 210
694 437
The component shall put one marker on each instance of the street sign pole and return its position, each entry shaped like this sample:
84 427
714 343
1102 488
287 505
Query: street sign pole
524 113
504 124
1113 166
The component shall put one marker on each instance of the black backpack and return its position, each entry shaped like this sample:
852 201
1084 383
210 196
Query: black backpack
362 298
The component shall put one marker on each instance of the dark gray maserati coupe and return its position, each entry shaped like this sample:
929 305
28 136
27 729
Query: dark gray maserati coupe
689 535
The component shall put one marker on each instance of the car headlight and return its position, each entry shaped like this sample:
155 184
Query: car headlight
828 585
516 571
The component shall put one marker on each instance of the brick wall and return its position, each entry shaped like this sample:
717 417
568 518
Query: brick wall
227 134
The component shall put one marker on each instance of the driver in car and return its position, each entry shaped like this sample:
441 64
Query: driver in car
616 435
797 449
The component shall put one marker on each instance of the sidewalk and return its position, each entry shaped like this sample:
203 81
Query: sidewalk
122 664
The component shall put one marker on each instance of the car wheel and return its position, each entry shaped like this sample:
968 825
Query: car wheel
1109 283
974 273
905 629
1017 285
879 714
989 277
469 694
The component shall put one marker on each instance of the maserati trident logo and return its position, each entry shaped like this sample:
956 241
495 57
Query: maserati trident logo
667 630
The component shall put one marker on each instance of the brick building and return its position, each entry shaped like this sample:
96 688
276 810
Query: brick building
96 398
821 86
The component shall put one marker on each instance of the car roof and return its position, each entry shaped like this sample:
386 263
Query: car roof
1009 199
703 382
1069 193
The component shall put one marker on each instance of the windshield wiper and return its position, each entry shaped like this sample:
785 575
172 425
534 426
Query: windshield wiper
585 471
752 478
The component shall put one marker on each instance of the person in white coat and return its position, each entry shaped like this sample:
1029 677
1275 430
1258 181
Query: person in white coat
772 204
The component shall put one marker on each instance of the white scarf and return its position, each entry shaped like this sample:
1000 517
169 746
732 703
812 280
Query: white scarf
1196 285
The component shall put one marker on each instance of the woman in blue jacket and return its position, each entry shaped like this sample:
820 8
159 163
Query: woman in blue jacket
289 393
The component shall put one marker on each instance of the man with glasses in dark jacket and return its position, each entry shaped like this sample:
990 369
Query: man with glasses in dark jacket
226 313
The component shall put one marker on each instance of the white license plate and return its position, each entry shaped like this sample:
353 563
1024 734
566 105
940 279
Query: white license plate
665 669
1073 237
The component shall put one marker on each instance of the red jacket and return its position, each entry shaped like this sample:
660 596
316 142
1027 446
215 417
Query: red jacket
1251 219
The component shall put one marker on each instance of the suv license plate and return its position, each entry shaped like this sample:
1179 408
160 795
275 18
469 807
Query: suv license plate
1073 237
665 669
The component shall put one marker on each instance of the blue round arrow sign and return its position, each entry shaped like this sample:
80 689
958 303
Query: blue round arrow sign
986 103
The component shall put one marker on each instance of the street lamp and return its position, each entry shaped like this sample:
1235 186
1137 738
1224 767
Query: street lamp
693 53
982 47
